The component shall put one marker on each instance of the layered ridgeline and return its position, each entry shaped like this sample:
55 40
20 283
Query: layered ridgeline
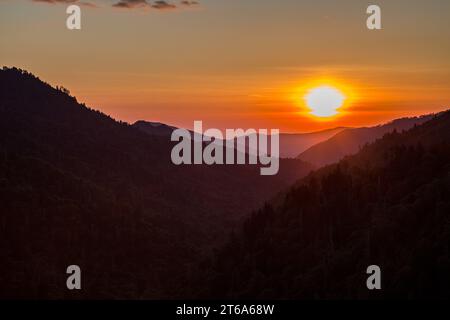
349 141
78 187
291 144
389 205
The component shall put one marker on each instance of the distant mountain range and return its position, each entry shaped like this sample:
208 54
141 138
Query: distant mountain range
349 141
291 144
317 148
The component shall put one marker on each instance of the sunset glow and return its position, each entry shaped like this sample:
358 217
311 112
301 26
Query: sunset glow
177 66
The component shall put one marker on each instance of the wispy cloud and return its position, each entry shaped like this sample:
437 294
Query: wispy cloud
158 4
78 2
189 3
56 1
130 4
163 5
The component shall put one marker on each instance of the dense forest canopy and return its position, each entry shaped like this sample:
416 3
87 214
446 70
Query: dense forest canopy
389 205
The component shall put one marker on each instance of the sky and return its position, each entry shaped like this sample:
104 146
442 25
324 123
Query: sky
237 63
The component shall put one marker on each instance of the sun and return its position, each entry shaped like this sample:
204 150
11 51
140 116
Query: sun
324 101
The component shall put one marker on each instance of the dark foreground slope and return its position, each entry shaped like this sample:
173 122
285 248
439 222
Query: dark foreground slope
388 206
77 187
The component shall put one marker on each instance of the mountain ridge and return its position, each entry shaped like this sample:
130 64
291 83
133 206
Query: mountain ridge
291 144
349 141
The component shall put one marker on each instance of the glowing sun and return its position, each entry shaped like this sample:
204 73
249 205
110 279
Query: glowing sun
324 101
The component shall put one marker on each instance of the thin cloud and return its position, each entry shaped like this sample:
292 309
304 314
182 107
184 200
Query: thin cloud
56 1
163 5
81 3
189 3
130 4
159 4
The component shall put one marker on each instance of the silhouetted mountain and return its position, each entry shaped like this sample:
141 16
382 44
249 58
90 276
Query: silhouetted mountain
349 141
389 205
291 144
78 187
154 128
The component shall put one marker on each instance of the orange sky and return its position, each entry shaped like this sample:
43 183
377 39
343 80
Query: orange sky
238 63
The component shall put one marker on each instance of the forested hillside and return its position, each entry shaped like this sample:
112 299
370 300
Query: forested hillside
389 205
78 187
